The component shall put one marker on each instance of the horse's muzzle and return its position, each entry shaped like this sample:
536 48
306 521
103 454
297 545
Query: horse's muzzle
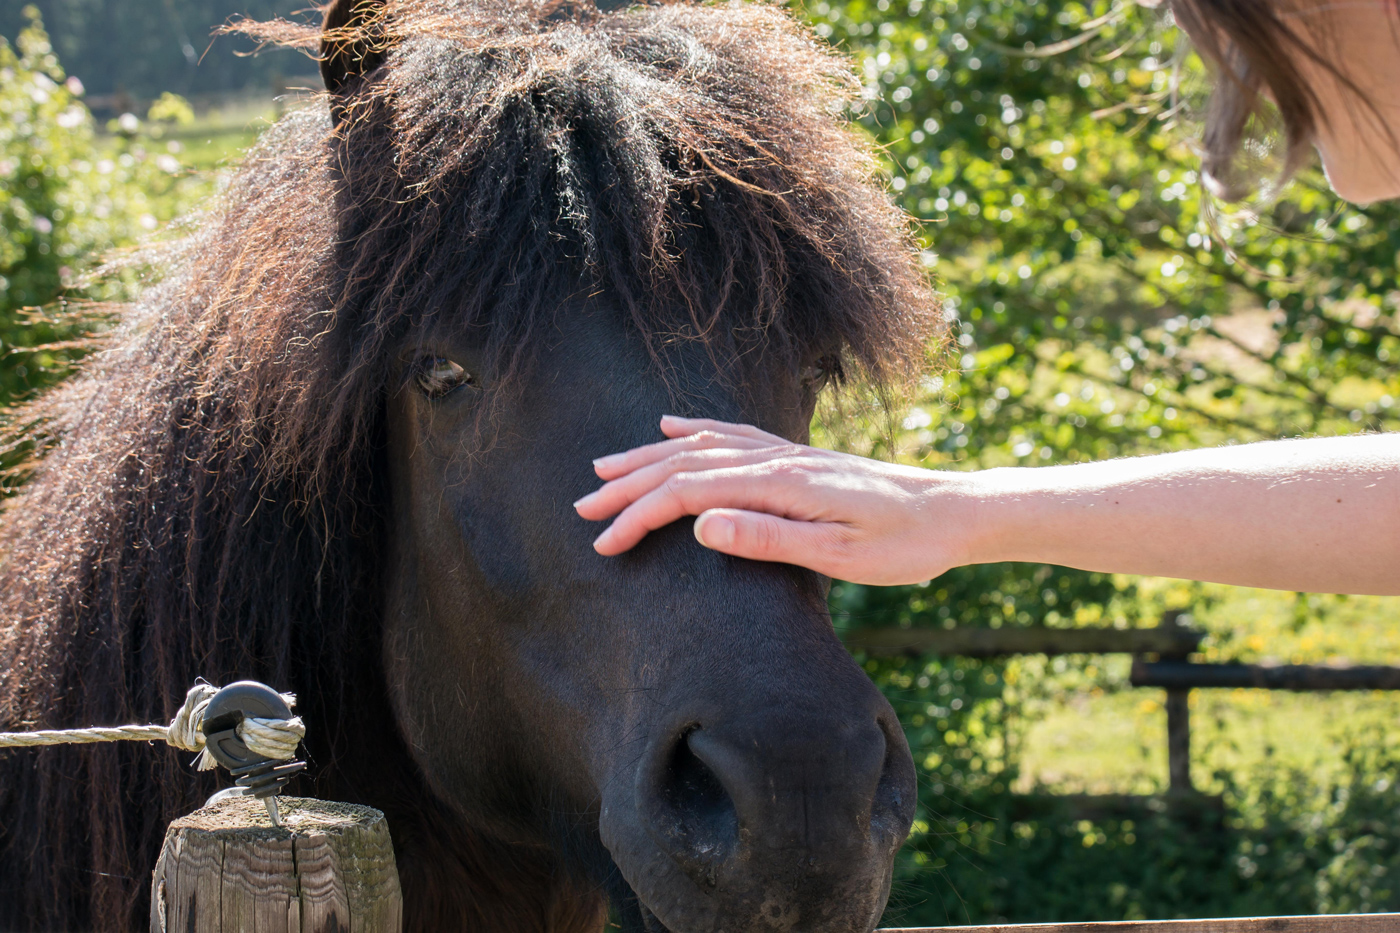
769 820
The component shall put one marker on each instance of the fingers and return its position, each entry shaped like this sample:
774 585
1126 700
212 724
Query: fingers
819 546
685 434
618 494
676 426
682 494
698 467
621 464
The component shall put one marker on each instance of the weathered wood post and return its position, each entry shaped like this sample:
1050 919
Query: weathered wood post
1178 719
328 869
1179 741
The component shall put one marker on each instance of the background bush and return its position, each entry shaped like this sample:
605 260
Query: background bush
66 197
1102 308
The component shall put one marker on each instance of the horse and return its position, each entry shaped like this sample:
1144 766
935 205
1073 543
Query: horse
332 445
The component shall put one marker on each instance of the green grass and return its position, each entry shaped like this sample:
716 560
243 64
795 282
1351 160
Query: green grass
219 135
1096 734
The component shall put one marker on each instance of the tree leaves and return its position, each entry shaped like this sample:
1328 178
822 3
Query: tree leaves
1104 308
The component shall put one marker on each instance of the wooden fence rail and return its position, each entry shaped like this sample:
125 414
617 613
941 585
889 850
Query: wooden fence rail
1165 640
1183 675
1160 660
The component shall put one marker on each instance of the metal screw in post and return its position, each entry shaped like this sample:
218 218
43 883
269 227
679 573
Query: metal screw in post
257 775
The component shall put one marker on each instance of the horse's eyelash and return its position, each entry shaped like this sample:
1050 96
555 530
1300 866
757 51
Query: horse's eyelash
438 375
826 369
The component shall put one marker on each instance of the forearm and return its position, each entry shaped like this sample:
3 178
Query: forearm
1320 515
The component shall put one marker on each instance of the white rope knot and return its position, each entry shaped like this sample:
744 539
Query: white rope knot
270 738
185 729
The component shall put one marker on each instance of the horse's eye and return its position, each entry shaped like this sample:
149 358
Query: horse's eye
817 375
438 376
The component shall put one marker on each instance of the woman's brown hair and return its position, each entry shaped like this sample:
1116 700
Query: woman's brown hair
1255 51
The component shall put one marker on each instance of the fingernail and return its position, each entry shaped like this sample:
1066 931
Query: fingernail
607 461
719 530
586 499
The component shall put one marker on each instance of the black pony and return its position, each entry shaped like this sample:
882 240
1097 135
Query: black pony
334 445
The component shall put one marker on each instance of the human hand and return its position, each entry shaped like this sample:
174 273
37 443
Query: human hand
1316 515
765 498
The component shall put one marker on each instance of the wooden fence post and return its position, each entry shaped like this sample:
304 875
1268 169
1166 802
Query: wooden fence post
227 869
1178 714
1179 741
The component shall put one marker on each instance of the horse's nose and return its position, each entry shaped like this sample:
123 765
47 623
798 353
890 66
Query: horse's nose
812 795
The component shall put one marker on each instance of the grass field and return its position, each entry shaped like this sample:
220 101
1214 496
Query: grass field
221 132
1099 735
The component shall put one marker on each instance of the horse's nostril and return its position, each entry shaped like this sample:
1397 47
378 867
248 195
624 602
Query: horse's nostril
696 816
770 819
892 810
693 787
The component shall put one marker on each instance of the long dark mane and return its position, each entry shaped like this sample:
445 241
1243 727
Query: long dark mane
210 501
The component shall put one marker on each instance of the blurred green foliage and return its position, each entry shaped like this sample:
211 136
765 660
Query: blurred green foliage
67 196
1100 306
1281 845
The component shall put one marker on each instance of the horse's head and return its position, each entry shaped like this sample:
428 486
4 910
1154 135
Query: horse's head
693 711
583 226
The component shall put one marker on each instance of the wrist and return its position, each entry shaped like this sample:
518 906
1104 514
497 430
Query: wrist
962 516
1006 521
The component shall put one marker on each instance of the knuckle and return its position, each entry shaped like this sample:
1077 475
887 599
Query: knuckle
766 536
789 460
679 461
678 483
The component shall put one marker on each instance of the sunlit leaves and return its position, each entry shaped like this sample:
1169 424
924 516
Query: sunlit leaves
1102 309
67 194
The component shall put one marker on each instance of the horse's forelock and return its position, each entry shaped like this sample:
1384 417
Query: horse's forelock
683 161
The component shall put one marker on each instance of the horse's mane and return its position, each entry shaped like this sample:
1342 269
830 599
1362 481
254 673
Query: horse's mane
209 501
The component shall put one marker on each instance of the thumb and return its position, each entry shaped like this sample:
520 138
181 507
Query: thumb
760 536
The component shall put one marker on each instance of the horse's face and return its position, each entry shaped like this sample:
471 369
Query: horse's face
692 711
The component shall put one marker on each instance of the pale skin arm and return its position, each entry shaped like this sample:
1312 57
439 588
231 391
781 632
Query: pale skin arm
1318 515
